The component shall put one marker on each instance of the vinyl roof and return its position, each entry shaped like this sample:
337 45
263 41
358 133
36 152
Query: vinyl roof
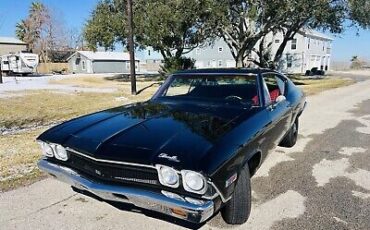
224 71
11 40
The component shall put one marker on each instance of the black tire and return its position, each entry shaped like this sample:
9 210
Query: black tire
291 137
236 211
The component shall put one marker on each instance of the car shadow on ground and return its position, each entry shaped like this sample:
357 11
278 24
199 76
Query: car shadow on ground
332 204
132 208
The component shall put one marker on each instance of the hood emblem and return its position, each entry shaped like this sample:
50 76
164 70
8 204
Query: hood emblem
168 157
98 172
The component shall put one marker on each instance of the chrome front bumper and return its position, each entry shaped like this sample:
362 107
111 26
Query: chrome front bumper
155 201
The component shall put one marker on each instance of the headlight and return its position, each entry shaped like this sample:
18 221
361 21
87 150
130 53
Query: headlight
194 182
168 176
47 150
60 153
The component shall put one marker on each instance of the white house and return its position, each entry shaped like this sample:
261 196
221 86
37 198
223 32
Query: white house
309 49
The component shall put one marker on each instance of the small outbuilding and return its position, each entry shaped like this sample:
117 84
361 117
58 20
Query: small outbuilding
11 45
100 62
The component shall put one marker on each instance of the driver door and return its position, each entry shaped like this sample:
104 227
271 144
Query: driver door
277 106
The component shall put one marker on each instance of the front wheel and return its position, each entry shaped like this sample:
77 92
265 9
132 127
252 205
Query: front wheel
291 137
238 208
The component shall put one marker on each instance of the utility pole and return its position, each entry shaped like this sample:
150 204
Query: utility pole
1 74
131 46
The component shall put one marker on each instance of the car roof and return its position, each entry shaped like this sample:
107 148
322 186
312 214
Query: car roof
224 71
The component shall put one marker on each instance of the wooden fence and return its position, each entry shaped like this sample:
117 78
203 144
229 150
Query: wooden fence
45 68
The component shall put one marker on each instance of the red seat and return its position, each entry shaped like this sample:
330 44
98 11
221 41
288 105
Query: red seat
255 100
274 94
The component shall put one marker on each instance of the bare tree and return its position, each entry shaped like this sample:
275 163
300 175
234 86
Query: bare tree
43 30
75 39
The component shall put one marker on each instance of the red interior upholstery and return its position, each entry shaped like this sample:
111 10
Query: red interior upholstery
255 100
273 95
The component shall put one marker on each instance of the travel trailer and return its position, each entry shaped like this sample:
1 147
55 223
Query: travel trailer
19 63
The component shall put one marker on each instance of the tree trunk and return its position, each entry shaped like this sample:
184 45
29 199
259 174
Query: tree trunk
279 52
1 75
239 60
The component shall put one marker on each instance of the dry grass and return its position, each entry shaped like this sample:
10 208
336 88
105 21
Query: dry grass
19 152
18 157
101 82
314 86
42 107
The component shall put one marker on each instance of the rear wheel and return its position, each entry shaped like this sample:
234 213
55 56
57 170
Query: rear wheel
238 208
291 137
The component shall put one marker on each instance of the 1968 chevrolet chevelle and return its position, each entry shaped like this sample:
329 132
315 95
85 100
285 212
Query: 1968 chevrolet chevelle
189 151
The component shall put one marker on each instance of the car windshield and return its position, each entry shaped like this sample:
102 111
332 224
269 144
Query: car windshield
231 89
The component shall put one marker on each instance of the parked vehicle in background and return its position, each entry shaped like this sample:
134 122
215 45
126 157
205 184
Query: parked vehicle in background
188 152
315 72
19 63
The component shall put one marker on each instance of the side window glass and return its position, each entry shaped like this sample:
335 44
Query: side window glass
281 85
274 85
266 94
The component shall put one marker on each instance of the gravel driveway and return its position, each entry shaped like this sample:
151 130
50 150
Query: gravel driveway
322 183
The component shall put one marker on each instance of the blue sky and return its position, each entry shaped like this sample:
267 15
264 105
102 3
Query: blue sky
75 13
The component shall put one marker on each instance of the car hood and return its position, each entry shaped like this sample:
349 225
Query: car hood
147 133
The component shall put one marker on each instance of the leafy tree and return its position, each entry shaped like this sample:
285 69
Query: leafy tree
172 64
42 31
173 28
244 23
176 27
323 14
357 63
107 25
298 16
29 30
359 12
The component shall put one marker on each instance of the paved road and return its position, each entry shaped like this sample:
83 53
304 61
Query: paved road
322 183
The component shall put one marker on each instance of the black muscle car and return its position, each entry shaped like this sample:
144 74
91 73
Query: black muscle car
189 151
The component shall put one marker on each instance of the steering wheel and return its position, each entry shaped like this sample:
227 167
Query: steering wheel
233 97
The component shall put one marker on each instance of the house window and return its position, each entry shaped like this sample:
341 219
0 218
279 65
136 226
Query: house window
294 44
289 61
214 63
277 41
328 50
220 49
83 65
148 52
219 63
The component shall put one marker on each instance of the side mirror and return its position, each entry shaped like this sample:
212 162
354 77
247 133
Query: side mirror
280 98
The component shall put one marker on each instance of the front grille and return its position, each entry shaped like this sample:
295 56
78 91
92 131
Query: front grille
113 172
